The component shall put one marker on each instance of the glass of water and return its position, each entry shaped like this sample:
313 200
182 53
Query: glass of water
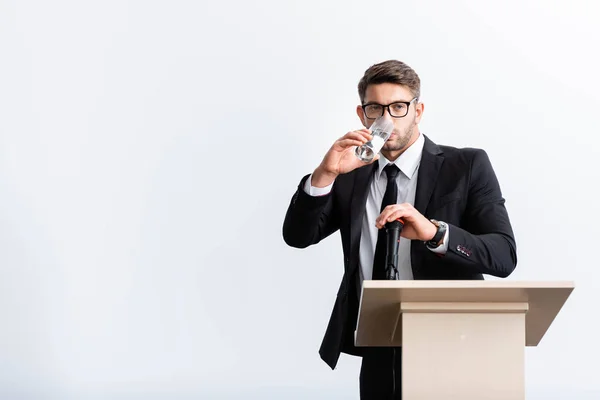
381 130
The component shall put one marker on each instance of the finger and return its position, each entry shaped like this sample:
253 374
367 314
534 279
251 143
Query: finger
345 143
365 133
390 209
385 214
382 216
357 135
398 213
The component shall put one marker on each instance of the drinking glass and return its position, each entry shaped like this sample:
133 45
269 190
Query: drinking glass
381 130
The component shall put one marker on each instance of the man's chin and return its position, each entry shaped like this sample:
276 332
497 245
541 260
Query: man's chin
392 146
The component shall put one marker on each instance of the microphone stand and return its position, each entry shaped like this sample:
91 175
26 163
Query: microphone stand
393 230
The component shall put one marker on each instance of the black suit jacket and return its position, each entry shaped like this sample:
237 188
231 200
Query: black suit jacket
457 186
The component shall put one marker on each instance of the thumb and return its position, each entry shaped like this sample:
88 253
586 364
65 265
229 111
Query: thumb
375 158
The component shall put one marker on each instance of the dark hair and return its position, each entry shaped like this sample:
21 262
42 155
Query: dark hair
391 71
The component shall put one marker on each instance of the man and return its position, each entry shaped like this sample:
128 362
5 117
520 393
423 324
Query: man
455 222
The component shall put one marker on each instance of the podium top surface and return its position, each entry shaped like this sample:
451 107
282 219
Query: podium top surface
495 284
381 300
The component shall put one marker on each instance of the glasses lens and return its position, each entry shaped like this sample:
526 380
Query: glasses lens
373 111
398 109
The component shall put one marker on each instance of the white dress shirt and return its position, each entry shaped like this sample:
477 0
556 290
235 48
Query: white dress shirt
408 163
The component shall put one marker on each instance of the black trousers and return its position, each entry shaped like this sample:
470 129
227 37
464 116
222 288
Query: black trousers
381 374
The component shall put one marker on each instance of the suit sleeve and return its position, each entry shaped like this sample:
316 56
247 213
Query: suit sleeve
309 219
485 242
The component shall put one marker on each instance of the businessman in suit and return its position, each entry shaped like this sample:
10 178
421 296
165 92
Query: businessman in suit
455 222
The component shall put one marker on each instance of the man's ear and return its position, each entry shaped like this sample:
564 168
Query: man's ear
361 114
419 109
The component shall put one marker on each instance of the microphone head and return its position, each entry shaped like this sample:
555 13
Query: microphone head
396 224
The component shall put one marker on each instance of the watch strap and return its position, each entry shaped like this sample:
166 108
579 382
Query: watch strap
439 234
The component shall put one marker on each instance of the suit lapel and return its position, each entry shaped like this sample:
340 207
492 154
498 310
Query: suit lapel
431 162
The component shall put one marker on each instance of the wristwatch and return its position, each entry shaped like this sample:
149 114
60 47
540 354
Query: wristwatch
442 227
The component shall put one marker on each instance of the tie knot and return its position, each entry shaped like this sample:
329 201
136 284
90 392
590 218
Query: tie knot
391 171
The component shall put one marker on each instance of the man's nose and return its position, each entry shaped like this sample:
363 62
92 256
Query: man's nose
387 115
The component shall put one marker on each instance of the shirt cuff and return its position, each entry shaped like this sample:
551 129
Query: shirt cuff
315 191
443 248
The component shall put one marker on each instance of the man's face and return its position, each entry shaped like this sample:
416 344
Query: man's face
404 127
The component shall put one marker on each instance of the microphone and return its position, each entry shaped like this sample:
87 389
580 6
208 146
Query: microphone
392 233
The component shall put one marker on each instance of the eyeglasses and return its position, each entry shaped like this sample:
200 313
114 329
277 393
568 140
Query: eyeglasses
397 109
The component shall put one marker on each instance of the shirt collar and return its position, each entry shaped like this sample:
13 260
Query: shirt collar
409 161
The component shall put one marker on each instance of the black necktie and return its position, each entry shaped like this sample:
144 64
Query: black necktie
390 197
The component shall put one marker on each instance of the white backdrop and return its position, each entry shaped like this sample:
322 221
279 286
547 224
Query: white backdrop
148 152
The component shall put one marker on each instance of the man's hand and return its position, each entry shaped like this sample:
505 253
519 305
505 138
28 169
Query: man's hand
340 158
416 226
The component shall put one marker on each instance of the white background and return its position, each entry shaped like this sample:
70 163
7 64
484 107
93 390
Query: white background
149 150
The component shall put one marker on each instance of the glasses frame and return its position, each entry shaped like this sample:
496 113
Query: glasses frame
387 106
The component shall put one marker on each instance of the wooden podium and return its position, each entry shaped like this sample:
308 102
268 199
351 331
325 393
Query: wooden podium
460 339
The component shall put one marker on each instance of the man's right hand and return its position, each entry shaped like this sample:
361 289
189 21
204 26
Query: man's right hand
340 158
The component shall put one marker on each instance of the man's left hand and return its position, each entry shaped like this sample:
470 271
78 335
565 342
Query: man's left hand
416 226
